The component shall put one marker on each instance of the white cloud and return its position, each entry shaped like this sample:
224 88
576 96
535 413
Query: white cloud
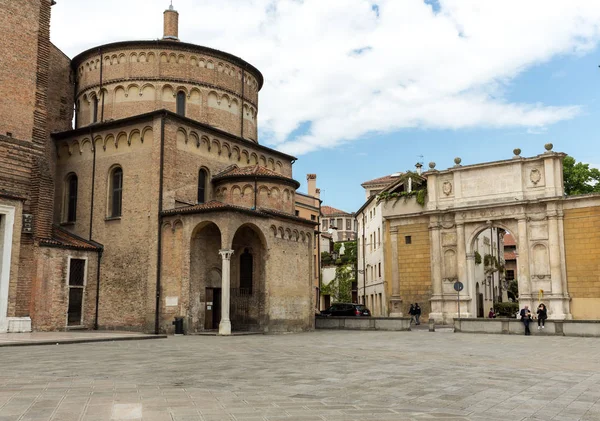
339 65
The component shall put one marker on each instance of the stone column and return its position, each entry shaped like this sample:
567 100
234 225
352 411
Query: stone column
225 325
523 263
470 285
395 299
461 262
557 310
436 272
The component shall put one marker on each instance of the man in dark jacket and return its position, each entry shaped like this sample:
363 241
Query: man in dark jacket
526 318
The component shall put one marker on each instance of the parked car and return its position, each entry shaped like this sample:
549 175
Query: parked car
347 309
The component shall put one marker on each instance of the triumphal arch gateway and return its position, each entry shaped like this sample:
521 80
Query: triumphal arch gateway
431 247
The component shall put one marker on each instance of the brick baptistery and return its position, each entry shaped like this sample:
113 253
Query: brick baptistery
158 204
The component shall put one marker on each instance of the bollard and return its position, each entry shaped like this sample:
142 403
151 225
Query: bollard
431 325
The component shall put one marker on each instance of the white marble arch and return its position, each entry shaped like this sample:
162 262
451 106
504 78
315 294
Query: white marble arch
522 196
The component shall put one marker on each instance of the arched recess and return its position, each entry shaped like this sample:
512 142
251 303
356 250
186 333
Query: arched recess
248 274
485 254
203 185
205 279
541 261
450 271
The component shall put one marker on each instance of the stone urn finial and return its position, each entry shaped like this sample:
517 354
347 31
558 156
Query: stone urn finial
549 147
457 161
517 151
432 165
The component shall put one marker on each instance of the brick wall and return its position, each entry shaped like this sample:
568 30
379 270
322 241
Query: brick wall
414 267
582 249
18 69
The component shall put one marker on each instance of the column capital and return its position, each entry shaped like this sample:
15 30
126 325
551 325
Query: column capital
226 254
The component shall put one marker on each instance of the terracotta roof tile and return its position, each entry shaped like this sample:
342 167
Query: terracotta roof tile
252 170
216 206
382 180
64 239
204 207
509 240
510 255
328 210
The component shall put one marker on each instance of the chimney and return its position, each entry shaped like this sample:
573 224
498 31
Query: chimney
419 167
311 180
318 193
171 24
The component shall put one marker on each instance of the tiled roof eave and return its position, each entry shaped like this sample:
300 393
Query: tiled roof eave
225 177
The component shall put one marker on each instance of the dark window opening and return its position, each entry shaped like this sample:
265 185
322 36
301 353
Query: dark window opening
76 286
510 275
313 218
246 267
72 198
116 192
408 239
181 103
202 177
95 110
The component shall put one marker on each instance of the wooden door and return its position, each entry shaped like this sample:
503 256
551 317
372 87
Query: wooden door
216 316
208 309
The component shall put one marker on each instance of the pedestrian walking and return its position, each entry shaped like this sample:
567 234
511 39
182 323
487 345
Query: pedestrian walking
526 319
417 314
542 315
411 311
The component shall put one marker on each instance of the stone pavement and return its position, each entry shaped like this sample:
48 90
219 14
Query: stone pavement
323 375
71 337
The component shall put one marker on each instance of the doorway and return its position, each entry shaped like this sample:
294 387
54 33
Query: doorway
212 311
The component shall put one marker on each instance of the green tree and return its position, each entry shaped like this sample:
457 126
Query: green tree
340 288
349 255
579 178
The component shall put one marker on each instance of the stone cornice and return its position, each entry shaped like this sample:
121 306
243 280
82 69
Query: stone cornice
169 45
164 79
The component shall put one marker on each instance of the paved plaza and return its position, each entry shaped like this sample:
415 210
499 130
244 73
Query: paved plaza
323 375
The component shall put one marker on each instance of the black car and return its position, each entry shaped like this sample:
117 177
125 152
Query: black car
346 309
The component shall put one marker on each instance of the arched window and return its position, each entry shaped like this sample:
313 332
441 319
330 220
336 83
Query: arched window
181 103
95 110
202 178
71 198
116 192
246 266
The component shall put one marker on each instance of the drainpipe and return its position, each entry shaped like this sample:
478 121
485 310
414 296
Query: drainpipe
356 262
242 107
97 289
93 182
101 86
318 230
255 192
363 263
159 233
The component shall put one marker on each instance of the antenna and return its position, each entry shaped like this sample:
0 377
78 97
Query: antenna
420 159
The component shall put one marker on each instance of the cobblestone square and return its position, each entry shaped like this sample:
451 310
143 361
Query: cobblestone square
323 375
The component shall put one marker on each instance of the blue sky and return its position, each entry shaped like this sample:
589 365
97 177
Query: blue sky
358 89
563 81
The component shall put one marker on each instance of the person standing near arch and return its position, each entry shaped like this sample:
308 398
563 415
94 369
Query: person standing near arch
417 314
